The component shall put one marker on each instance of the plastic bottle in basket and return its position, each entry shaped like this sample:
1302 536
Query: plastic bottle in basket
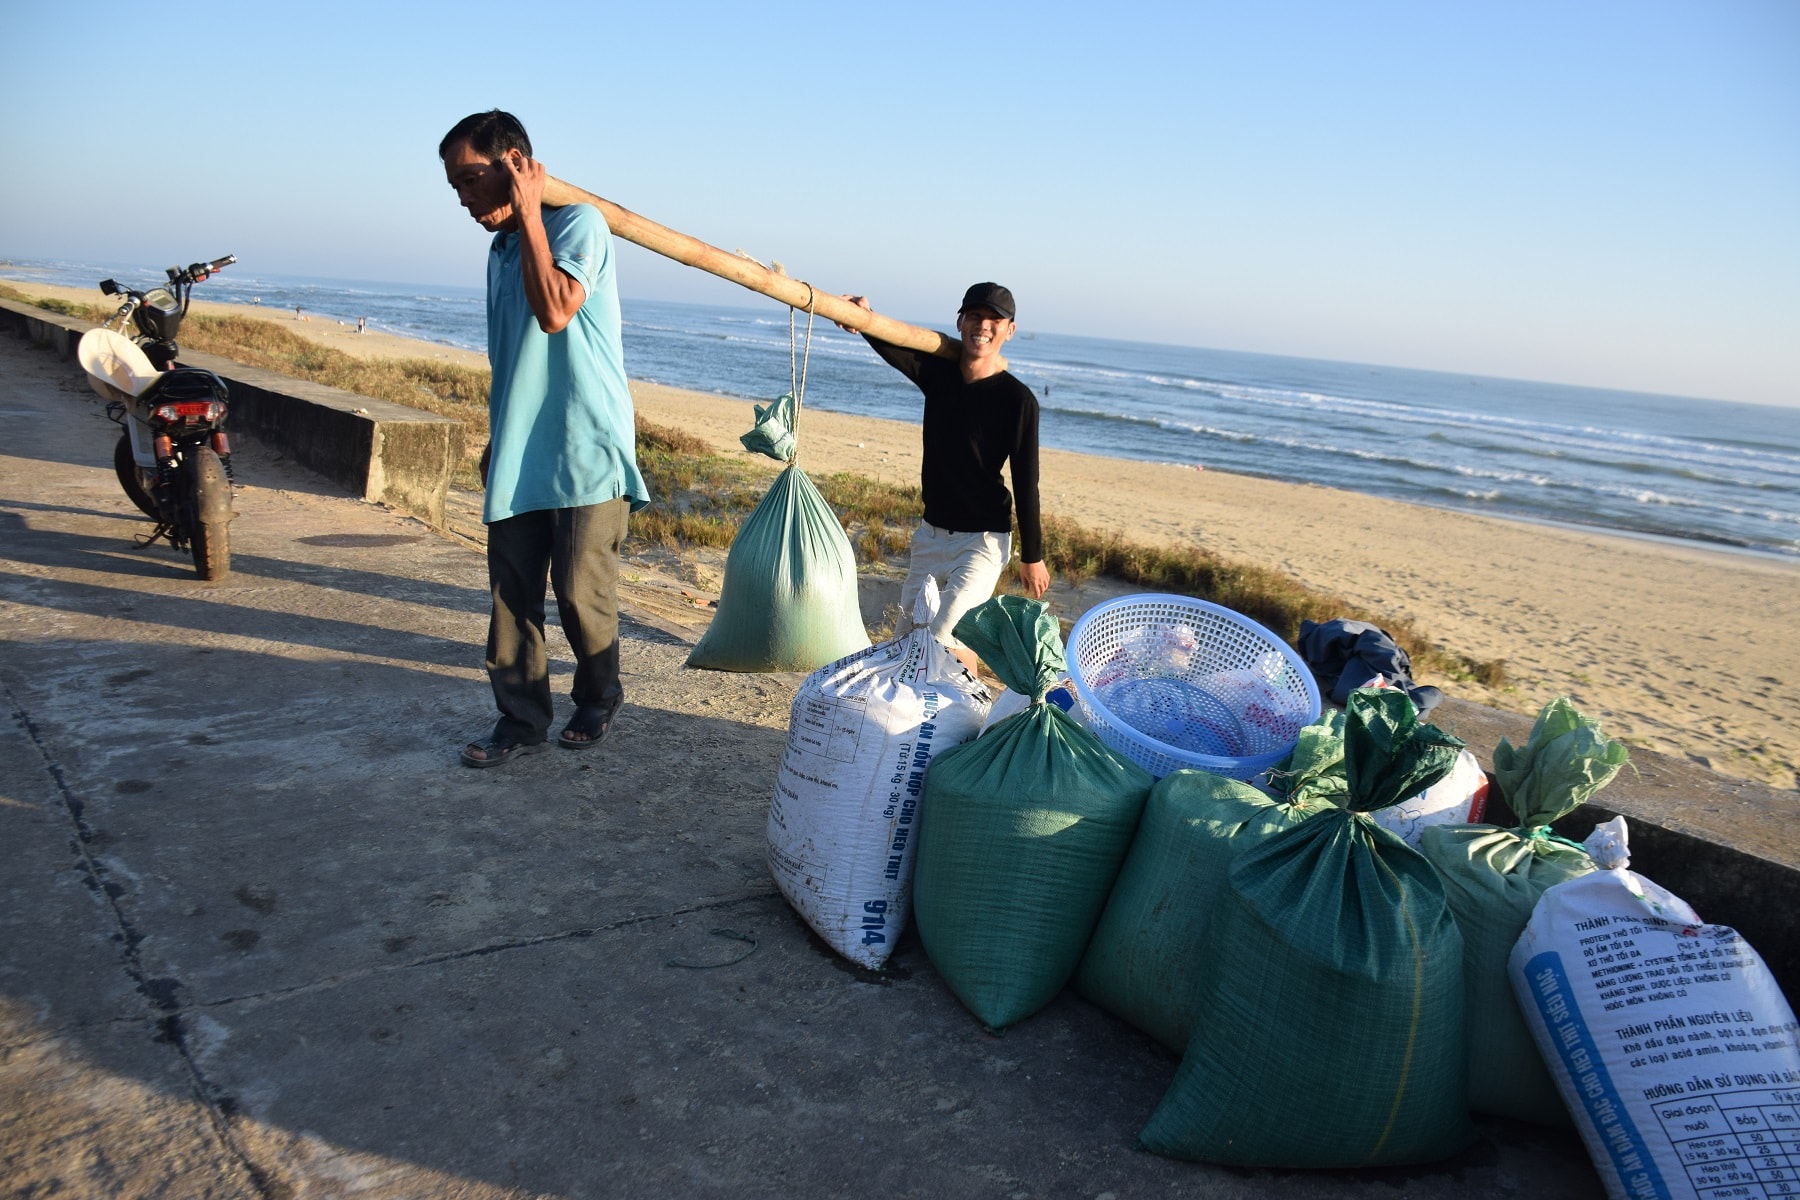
1267 715
1151 652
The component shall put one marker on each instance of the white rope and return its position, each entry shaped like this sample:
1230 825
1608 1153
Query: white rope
797 381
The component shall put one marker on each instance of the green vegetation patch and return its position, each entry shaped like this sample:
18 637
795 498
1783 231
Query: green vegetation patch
68 308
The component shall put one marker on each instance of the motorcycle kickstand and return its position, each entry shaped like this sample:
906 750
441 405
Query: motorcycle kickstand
160 533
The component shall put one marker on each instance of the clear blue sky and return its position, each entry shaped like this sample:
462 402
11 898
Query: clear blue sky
1591 192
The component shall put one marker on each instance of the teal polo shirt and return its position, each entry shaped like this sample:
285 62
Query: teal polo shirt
559 411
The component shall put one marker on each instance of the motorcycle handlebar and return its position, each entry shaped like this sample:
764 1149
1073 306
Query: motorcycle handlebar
200 271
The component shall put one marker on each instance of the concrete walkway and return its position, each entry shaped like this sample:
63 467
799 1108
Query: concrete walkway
261 936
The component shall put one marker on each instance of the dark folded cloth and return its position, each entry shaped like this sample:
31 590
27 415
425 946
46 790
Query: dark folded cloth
1345 655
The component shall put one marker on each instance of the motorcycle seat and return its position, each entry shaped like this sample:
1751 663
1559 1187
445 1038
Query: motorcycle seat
184 383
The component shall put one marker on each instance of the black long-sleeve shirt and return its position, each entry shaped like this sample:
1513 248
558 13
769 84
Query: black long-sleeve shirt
971 429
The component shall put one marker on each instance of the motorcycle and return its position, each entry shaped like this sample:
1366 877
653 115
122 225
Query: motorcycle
173 458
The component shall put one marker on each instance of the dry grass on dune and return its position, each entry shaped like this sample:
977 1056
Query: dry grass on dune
442 388
68 308
702 497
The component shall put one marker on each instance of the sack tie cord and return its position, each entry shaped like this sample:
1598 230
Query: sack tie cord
1543 833
797 379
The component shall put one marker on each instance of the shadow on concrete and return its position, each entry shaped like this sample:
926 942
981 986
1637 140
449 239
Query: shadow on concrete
202 607
265 897
202 615
63 510
61 549
531 981
360 954
448 596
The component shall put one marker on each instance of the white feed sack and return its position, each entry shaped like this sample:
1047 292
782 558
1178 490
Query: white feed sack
1667 1037
844 820
1459 798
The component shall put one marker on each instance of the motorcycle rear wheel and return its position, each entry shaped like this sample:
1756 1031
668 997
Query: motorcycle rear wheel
134 479
208 541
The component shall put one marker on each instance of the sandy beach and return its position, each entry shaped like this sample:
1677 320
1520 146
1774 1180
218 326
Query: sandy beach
1676 648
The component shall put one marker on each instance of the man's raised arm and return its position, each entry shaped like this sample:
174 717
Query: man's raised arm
555 296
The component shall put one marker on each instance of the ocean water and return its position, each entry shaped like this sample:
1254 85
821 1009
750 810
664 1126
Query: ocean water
1713 472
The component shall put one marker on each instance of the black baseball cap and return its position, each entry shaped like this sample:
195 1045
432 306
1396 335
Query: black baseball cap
990 295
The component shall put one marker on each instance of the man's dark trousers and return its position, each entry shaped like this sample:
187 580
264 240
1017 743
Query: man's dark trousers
578 548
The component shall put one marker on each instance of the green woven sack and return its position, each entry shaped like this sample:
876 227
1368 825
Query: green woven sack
1021 831
789 598
773 433
1315 768
1330 1028
1565 761
1145 961
1389 754
1494 878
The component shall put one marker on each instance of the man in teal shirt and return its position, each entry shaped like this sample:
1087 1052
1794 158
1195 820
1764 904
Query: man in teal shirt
562 472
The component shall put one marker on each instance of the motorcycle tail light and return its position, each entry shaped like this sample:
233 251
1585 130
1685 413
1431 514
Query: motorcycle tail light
187 412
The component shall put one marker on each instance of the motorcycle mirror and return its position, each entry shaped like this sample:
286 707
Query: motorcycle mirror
109 287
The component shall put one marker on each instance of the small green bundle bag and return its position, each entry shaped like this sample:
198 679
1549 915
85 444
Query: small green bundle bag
1494 877
1021 831
1144 962
1329 1027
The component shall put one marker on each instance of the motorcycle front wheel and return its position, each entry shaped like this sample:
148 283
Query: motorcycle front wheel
209 513
134 479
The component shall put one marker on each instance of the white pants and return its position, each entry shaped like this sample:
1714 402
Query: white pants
967 567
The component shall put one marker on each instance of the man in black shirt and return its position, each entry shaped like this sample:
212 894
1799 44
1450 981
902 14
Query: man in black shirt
977 417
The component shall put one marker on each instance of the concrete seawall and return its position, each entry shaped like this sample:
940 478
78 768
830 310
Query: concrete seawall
382 452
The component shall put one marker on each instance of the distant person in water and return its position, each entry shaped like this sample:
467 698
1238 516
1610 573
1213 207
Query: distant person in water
562 472
978 418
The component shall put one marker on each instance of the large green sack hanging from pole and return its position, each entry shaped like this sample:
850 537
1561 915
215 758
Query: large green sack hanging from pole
1144 963
1494 878
1021 831
789 598
1330 1027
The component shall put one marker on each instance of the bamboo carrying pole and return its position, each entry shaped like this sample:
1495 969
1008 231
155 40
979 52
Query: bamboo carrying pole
749 273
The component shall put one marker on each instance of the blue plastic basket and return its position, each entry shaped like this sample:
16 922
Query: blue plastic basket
1172 682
